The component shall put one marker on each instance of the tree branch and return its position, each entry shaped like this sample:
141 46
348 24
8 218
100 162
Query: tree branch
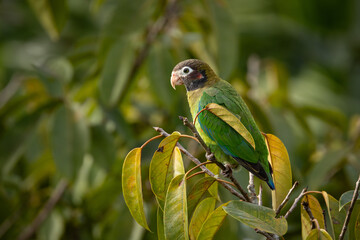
286 199
303 193
197 162
45 211
211 157
348 214
251 189
314 222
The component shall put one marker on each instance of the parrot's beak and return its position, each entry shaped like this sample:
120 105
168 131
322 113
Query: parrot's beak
175 80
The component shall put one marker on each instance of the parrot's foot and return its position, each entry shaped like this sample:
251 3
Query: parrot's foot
227 172
210 157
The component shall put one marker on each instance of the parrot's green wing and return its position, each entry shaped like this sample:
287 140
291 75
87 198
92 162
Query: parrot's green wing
227 138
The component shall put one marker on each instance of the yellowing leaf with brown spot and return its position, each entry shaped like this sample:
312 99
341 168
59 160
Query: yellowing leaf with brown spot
165 165
280 163
131 186
317 212
232 120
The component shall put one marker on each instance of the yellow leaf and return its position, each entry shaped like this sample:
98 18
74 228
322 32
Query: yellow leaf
165 165
317 212
280 163
232 120
131 186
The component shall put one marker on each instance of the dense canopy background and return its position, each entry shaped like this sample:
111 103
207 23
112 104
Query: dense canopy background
83 82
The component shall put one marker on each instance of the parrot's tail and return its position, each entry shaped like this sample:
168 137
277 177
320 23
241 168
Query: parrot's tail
258 170
270 182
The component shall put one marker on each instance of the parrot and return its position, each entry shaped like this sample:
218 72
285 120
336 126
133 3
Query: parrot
203 87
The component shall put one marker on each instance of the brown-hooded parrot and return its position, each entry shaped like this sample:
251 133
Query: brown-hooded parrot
203 86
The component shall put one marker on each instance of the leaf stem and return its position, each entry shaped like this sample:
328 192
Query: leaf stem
205 108
188 136
193 175
197 166
151 139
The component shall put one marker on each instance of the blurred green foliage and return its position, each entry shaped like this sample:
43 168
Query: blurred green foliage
83 82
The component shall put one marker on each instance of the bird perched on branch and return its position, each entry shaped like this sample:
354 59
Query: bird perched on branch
230 145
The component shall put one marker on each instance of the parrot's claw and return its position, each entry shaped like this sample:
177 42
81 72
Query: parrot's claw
227 172
210 157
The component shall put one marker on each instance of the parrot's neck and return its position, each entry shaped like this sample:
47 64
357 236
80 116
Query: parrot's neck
193 99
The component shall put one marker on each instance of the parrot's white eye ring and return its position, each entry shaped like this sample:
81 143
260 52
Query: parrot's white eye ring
186 70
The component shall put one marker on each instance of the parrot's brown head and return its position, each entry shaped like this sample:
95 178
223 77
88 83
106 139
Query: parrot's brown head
192 73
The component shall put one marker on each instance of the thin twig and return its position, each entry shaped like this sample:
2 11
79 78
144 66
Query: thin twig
303 193
236 183
267 235
260 195
197 162
348 214
45 211
211 157
286 199
197 166
193 175
314 222
151 139
251 188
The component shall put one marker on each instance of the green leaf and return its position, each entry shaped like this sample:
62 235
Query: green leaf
175 210
317 212
198 191
346 198
280 163
131 186
232 120
52 15
117 68
318 234
336 217
165 165
255 216
212 223
160 224
202 211
70 141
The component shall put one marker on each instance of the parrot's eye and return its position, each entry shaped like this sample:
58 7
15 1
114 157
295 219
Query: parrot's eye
186 70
